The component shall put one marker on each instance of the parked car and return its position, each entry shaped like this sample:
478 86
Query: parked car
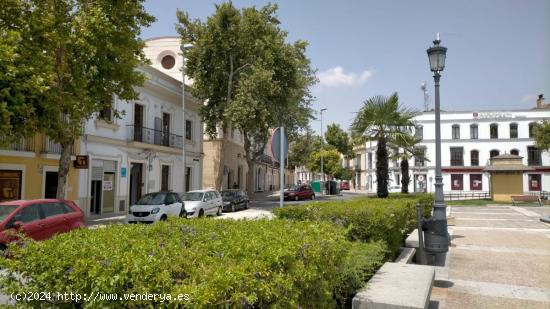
38 219
234 199
344 185
394 189
202 202
299 192
155 207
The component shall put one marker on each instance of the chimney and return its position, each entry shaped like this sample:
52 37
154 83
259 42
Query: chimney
540 101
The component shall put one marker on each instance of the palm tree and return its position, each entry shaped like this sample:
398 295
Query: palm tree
405 149
384 120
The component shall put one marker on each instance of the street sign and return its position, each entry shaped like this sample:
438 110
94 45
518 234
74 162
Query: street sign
276 145
81 162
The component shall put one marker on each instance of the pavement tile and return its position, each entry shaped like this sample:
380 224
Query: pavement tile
457 300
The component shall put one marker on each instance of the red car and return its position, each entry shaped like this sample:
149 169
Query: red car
344 185
38 219
300 192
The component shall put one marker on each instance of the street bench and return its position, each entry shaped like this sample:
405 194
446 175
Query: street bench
395 286
526 198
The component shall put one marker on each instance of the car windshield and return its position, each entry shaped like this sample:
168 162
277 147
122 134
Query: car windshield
152 199
5 210
229 193
295 188
192 196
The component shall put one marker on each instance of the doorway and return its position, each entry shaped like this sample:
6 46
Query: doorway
165 178
50 185
95 202
136 182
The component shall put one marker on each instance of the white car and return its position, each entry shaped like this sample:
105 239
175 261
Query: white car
154 207
202 202
394 189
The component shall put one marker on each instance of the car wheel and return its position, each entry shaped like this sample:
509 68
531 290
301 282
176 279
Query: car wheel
219 213
201 213
296 198
163 218
232 207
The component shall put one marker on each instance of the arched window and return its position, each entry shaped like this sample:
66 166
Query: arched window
419 132
531 127
494 153
456 131
493 130
515 152
473 131
514 130
474 158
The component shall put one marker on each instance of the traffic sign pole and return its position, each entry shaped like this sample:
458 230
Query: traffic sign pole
282 168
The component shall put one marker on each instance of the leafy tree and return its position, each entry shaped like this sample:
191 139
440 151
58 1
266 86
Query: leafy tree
384 120
331 161
87 51
404 149
338 138
249 77
301 148
541 131
343 173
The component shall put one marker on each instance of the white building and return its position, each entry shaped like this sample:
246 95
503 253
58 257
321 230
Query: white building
142 151
468 140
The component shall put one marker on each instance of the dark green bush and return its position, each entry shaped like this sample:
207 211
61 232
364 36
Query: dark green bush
366 219
217 263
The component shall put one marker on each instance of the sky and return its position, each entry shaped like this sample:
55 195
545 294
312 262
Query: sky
498 55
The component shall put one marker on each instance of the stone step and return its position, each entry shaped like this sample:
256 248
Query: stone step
397 285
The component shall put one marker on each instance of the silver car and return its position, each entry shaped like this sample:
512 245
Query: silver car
202 202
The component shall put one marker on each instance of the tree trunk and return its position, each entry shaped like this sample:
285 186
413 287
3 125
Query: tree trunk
221 169
381 168
64 166
250 162
405 177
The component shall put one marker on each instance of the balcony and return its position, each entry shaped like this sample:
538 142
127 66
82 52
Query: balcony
154 137
49 146
25 144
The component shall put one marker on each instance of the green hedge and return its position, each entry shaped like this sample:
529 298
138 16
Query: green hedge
217 263
366 219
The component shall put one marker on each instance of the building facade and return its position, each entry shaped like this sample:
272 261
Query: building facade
468 140
29 170
141 152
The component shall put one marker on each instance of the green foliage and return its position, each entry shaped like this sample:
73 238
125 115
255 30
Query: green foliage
385 120
366 219
338 138
541 132
218 263
331 161
301 148
343 173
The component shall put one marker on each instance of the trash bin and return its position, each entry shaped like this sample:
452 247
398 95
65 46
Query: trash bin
316 185
333 188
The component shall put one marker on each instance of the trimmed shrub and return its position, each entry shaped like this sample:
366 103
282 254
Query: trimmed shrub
366 219
216 263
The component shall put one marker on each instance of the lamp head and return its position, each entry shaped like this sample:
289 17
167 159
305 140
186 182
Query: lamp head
437 55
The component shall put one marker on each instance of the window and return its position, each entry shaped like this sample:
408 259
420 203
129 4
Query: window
533 156
456 131
515 152
52 209
457 182
29 214
106 114
473 131
358 161
188 129
168 62
474 158
420 155
187 179
534 182
531 127
457 158
494 153
476 183
419 132
513 130
493 130
370 160
170 199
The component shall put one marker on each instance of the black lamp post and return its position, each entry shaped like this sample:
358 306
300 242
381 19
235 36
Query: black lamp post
436 236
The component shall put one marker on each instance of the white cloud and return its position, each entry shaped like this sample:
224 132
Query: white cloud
336 77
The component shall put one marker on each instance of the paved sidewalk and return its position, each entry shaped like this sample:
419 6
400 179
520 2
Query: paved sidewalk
499 258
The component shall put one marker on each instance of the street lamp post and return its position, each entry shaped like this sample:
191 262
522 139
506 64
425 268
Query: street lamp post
183 48
435 228
322 147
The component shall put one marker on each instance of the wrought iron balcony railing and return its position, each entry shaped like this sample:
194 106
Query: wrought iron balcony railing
154 137
24 144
